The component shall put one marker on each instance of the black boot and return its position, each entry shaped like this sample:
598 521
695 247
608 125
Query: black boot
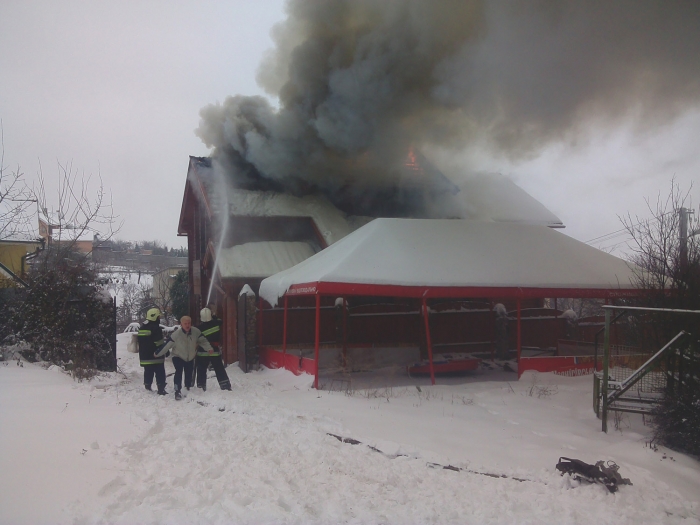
148 387
225 385
161 390
178 395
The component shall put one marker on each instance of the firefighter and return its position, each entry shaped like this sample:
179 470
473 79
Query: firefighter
211 329
184 344
150 341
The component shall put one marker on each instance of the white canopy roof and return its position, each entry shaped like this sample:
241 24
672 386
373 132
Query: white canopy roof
455 258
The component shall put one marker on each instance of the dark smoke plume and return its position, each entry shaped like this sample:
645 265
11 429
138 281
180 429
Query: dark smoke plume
362 82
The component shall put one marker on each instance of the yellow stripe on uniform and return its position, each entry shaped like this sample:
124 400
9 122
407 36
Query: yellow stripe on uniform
210 331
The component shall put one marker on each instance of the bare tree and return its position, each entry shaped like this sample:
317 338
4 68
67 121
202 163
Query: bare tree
160 296
78 211
16 199
667 262
65 315
667 257
132 297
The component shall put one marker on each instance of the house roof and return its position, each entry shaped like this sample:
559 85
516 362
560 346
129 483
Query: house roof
480 196
261 259
330 221
16 241
492 196
220 197
455 258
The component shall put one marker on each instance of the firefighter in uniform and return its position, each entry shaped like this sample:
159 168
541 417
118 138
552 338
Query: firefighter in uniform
211 329
150 341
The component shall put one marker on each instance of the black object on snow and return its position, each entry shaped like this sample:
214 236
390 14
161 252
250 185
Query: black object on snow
604 473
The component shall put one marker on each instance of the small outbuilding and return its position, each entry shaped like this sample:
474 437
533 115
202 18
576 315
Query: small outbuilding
428 261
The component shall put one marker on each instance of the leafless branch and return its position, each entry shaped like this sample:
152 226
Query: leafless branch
16 199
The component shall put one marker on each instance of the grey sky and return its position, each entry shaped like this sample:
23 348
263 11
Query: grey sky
116 87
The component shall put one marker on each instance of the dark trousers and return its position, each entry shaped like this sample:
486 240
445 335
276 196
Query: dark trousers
180 365
154 370
221 375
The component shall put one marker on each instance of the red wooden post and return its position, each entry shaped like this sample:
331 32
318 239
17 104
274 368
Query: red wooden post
519 338
430 345
284 331
318 337
345 333
260 323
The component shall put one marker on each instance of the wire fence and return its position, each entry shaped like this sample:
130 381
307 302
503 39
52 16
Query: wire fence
625 360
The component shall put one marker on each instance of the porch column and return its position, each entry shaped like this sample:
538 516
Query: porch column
345 333
284 331
427 338
317 337
606 365
519 335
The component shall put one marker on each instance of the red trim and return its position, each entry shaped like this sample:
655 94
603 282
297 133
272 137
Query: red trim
272 358
391 290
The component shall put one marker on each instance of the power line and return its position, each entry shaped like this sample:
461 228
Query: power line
623 230
626 229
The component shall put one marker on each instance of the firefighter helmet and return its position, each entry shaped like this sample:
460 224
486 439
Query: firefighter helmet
153 314
205 315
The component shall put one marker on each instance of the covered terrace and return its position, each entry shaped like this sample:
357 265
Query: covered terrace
427 260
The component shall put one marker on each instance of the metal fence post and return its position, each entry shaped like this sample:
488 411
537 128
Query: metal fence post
606 364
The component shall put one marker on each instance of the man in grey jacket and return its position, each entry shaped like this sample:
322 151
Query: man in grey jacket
183 345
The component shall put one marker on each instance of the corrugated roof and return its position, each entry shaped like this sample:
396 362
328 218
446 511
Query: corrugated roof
330 221
261 259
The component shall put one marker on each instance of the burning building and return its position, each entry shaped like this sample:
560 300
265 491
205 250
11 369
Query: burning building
361 87
239 235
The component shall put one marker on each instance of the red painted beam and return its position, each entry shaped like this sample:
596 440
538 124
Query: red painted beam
388 290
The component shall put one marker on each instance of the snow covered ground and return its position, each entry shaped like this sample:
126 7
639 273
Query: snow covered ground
107 451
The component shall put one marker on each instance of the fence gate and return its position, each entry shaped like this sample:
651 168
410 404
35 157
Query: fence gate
241 333
637 383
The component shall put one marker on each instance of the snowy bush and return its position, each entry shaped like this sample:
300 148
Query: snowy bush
676 423
62 317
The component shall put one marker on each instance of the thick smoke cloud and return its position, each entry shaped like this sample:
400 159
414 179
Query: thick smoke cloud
359 82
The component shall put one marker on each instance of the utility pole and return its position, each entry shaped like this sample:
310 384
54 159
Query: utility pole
683 220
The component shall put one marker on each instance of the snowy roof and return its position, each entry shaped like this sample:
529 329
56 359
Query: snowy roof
18 238
441 258
492 196
261 259
330 221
